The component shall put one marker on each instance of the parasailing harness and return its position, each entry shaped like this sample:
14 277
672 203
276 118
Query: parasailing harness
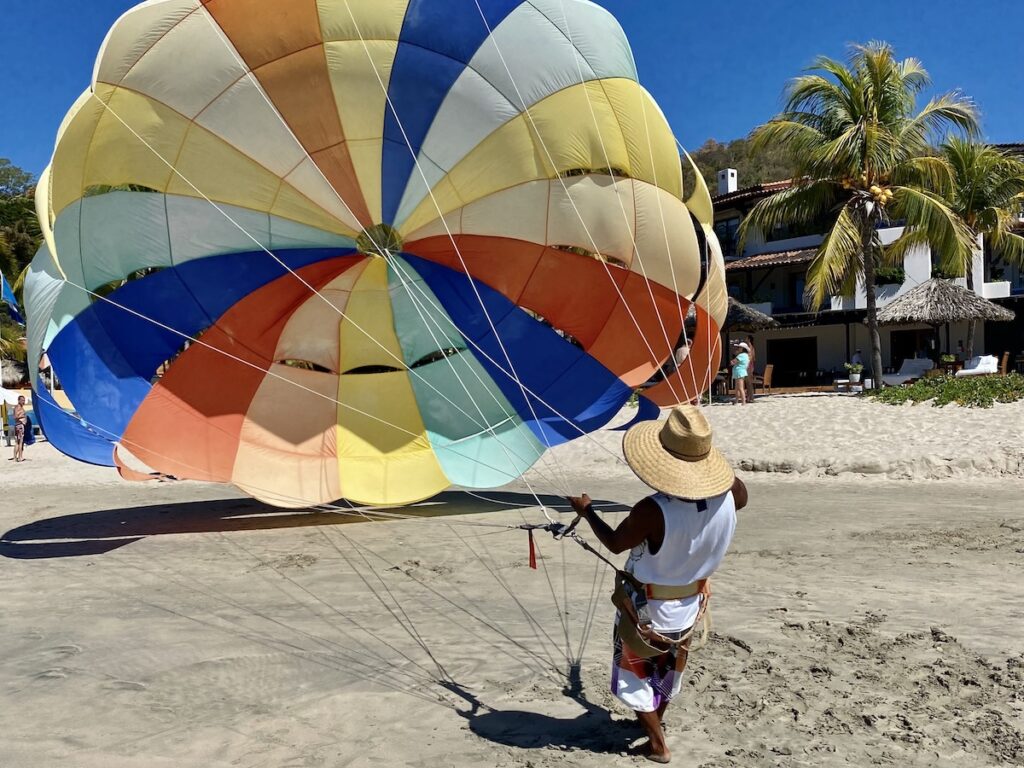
630 597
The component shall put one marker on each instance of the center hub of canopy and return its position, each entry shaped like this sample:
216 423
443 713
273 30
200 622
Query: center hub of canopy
379 240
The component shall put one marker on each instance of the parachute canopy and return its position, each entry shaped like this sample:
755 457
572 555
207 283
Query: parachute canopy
363 248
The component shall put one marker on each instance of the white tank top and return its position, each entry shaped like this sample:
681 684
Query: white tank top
697 536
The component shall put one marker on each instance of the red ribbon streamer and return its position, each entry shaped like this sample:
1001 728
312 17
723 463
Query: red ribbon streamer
533 552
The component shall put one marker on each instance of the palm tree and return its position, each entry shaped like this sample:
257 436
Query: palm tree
863 159
987 194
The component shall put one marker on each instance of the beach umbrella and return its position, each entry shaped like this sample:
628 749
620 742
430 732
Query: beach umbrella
939 301
741 317
936 302
365 250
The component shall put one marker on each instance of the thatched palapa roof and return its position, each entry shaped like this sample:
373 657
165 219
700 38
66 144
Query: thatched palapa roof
740 318
939 301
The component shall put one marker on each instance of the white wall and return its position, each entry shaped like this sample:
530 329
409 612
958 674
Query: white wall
957 332
831 343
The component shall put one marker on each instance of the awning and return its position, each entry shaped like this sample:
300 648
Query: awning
768 260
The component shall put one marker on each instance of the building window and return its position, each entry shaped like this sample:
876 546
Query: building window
726 231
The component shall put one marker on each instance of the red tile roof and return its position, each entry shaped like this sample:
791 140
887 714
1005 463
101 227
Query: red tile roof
751 193
765 260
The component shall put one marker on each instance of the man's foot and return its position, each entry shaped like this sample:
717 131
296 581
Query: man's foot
657 757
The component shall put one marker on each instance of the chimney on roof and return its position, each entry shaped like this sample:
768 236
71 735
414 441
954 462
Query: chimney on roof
727 181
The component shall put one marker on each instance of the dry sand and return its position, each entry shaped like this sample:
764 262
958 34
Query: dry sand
857 621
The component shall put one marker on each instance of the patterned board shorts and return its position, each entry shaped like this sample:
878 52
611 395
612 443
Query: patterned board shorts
644 684
19 431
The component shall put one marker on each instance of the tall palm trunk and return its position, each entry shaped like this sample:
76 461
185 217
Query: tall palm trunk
972 325
867 232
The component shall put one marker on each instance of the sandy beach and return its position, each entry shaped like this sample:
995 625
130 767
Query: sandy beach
868 613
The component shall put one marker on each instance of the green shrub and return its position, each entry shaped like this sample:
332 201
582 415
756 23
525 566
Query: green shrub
890 276
968 391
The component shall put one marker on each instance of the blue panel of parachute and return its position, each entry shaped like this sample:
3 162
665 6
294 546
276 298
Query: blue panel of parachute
647 410
438 40
571 382
107 356
68 434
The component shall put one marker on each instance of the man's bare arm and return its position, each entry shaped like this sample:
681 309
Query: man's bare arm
739 493
632 531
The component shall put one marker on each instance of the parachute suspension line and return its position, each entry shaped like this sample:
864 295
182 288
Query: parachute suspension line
365 513
353 656
592 606
562 507
379 247
281 263
563 616
369 513
427 672
267 372
419 305
530 618
483 353
355 665
408 625
539 138
462 261
709 375
545 665
540 504
622 208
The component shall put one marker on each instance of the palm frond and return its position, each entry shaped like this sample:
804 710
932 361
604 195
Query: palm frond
1008 246
804 203
950 111
932 173
796 136
950 239
913 75
839 258
895 254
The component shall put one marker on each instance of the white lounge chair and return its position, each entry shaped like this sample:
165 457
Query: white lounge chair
912 368
983 365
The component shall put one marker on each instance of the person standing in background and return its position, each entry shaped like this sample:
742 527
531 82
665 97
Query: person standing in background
21 424
739 365
751 369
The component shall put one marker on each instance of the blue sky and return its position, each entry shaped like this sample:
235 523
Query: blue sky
717 68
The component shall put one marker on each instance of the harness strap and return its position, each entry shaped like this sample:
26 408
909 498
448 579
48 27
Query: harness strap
643 640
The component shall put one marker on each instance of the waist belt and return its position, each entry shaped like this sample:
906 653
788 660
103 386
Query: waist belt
634 625
663 592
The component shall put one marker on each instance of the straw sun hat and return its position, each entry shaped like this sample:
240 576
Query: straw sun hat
676 457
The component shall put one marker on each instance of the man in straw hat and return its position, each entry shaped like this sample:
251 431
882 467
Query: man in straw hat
677 538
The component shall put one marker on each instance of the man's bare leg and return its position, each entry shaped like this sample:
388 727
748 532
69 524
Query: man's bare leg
651 722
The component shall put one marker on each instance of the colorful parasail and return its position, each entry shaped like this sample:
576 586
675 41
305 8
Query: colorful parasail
363 249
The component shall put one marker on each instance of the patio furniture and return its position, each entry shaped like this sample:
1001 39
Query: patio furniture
980 365
764 381
912 369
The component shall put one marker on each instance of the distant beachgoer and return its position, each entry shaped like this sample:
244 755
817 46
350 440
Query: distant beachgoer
740 364
20 425
678 537
751 369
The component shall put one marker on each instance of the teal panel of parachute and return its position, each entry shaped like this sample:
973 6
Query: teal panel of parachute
483 445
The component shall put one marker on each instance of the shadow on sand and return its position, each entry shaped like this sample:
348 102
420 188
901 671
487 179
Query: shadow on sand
95 533
592 731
